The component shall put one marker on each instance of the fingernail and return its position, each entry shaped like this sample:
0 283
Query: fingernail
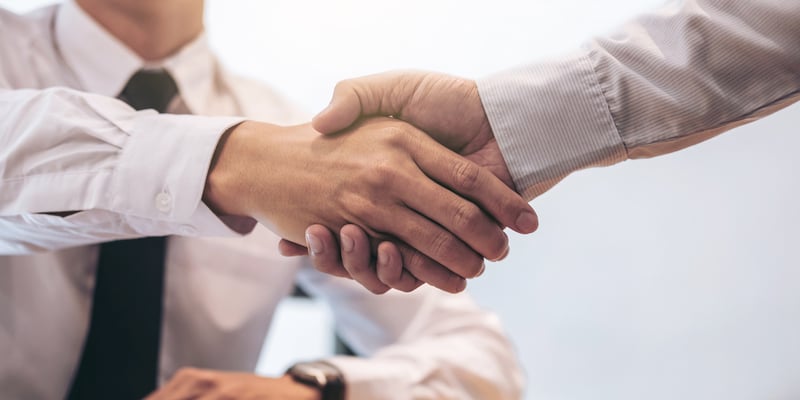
502 256
383 258
314 244
483 269
505 250
347 243
505 254
527 222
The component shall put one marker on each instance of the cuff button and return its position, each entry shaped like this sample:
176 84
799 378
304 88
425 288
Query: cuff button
164 202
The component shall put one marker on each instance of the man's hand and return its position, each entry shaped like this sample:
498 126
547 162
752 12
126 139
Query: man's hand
383 175
449 109
445 107
190 384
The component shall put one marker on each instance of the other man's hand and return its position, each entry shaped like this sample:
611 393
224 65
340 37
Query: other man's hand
449 109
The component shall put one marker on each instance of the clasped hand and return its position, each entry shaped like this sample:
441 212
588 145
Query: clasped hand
448 109
444 213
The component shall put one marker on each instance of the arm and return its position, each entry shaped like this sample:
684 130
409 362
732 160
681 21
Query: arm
421 345
192 383
668 80
118 173
115 172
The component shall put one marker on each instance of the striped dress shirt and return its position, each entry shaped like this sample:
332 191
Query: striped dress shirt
665 81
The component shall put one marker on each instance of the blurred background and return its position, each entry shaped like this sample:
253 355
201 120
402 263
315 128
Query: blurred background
671 278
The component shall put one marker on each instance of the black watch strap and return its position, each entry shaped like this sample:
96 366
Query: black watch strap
321 375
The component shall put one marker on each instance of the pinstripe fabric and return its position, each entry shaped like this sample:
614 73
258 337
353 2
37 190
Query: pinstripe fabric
666 81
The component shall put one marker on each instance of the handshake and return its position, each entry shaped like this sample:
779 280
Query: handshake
421 197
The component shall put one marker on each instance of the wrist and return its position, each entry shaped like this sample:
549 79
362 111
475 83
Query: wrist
225 189
300 391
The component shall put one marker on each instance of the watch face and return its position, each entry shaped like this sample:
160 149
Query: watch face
320 375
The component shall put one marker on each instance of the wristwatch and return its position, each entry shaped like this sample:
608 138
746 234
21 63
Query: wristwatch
321 375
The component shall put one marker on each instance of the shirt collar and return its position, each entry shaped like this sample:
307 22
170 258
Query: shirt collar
103 64
194 69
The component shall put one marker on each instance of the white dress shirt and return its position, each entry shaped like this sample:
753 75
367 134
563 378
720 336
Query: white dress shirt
129 173
668 80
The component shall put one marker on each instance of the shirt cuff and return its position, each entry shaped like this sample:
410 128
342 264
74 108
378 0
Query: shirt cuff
550 119
169 187
367 378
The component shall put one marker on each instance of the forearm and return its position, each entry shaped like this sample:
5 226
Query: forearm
668 80
422 345
112 171
463 364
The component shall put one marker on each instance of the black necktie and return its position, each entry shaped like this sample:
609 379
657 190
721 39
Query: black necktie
120 355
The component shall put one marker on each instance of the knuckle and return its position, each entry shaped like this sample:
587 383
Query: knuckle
466 216
364 209
465 176
343 86
414 260
392 129
348 199
443 245
382 174
398 135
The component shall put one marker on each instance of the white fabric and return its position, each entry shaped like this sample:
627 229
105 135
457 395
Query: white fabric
129 173
668 80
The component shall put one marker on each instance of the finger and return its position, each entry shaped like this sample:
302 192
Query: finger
357 258
378 94
433 241
429 271
390 269
477 184
323 250
460 216
291 249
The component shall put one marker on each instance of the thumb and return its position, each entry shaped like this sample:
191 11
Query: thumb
361 97
344 109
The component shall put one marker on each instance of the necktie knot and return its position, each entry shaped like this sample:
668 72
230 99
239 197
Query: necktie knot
150 89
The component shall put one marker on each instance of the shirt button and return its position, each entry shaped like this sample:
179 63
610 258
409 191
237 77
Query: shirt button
164 202
188 230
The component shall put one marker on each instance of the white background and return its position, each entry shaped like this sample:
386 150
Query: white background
673 278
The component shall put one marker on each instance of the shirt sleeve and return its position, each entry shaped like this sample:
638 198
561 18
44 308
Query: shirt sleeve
115 172
421 345
667 80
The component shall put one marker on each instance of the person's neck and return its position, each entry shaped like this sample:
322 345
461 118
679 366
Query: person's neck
153 29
